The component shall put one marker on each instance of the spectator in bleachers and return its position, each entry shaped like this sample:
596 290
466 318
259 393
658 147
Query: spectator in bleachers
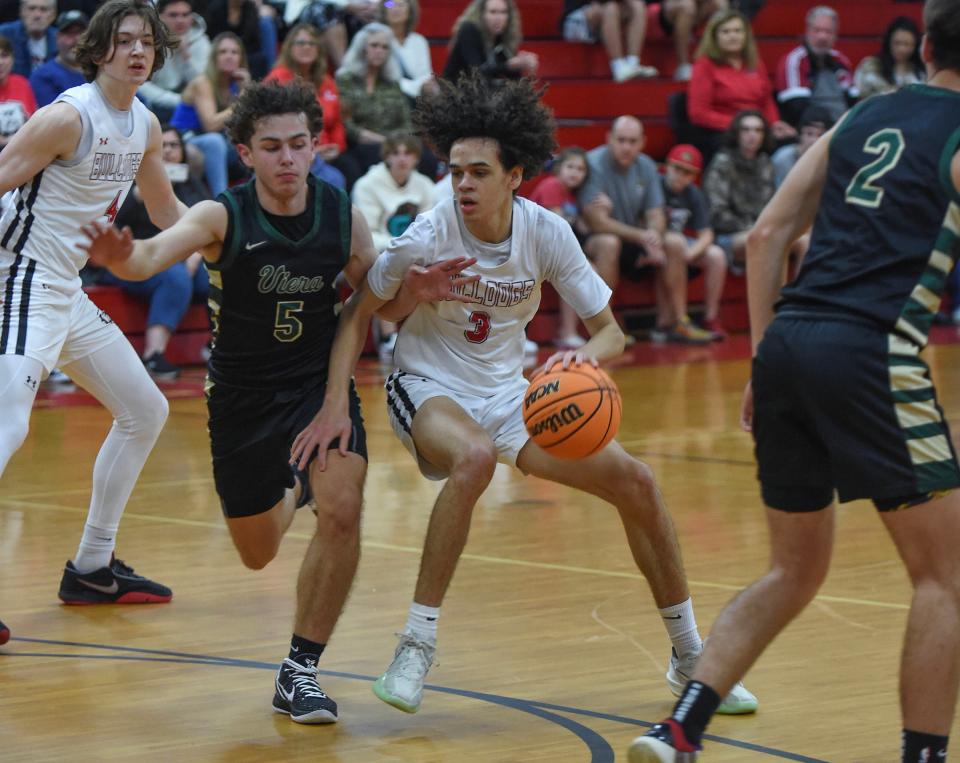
814 72
487 37
373 103
302 56
814 123
412 51
729 77
163 91
688 226
897 64
242 17
32 36
739 182
678 19
558 193
170 292
334 19
207 104
16 98
61 73
619 24
623 204
389 196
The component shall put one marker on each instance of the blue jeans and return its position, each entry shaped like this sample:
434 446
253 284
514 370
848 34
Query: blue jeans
168 293
213 146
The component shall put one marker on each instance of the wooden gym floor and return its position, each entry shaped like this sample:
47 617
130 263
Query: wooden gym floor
550 647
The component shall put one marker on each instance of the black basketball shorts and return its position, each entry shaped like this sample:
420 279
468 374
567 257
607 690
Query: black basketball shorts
841 405
251 432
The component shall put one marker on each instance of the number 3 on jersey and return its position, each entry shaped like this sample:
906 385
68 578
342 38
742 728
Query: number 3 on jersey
887 145
481 327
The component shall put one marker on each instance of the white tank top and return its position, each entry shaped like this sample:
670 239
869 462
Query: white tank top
477 347
43 221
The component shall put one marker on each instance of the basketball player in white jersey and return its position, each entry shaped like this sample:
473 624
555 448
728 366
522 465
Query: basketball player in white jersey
74 161
455 398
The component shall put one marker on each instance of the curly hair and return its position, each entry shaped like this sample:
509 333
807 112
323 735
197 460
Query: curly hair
261 100
97 41
507 111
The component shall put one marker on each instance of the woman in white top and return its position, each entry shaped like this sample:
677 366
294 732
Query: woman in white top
897 64
412 51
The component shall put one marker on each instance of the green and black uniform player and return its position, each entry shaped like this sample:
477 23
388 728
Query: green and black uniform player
274 302
840 400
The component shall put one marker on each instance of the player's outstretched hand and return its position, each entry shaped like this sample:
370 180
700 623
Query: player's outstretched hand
328 425
440 280
565 358
746 409
106 245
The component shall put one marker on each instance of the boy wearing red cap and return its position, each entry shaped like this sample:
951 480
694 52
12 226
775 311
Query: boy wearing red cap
688 225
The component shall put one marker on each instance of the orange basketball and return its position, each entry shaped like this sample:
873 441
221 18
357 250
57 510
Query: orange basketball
572 413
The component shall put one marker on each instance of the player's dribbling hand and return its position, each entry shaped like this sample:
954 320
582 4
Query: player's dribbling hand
746 408
440 280
326 427
106 244
565 358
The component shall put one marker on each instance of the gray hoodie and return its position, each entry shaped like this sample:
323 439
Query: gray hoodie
188 61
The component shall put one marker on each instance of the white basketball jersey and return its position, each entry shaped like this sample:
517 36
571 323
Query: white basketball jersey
477 347
43 221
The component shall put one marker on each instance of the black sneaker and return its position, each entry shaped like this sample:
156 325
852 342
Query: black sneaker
161 368
4 634
664 743
116 584
299 695
306 493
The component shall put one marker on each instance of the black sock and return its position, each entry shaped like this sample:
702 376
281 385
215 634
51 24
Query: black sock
694 710
919 747
300 646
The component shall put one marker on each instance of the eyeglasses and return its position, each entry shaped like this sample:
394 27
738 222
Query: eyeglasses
305 43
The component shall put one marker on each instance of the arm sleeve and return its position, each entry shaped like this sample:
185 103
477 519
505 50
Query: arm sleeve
417 245
568 268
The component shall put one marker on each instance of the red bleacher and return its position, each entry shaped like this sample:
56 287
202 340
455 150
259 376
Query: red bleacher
584 99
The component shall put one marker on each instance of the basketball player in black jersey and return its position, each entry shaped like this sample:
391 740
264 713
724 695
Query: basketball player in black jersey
274 248
840 399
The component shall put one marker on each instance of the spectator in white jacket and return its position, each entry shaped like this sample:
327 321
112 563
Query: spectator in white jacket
412 51
389 196
162 92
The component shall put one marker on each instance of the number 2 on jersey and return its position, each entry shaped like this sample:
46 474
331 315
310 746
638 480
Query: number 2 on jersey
481 327
887 145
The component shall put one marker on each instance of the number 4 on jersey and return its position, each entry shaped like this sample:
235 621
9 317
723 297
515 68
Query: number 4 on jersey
113 209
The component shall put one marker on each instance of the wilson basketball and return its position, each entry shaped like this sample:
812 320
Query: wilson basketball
573 413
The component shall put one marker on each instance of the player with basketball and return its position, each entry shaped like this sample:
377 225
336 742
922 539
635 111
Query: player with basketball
74 161
455 398
840 399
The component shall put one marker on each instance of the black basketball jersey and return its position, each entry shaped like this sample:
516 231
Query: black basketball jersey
273 300
887 233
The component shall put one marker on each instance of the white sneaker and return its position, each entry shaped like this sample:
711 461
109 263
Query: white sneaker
739 701
683 73
570 342
402 684
385 348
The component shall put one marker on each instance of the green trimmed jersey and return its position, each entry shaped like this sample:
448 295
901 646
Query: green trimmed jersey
273 296
887 232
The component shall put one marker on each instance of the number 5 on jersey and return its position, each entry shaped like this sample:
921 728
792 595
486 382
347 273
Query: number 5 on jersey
288 327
